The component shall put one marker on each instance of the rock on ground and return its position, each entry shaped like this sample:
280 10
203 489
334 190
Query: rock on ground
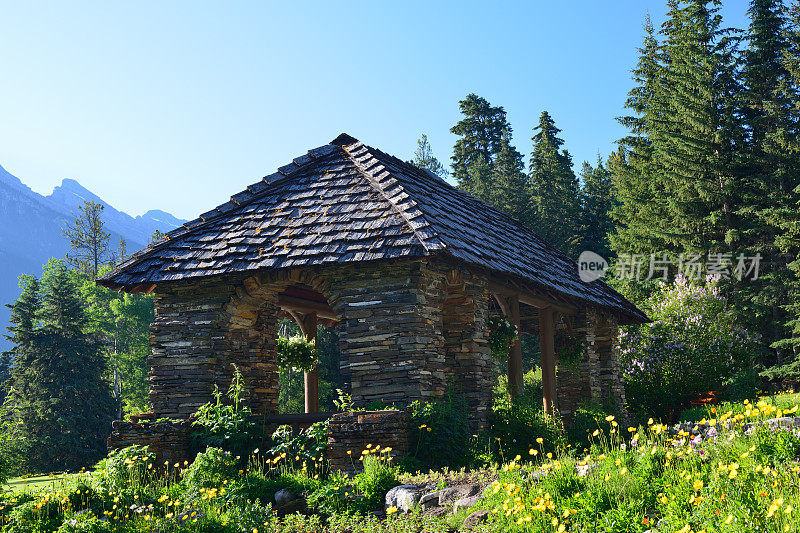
404 497
466 503
453 494
474 519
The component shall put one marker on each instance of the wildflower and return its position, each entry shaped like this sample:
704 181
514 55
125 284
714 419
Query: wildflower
391 510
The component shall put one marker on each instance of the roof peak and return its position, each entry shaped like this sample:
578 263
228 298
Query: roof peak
344 140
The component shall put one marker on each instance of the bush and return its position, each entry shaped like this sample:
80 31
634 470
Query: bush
227 423
125 468
302 451
211 469
375 481
440 430
364 494
693 345
517 427
588 418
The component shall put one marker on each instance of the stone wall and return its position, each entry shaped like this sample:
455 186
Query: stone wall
200 330
465 312
353 431
168 440
598 376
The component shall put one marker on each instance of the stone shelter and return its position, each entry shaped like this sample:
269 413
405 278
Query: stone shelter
408 267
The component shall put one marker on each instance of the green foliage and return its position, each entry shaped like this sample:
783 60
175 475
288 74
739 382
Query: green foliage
515 425
88 239
424 158
304 450
588 418
502 334
126 467
60 399
776 445
440 431
596 202
363 494
211 468
85 523
296 353
554 188
227 423
569 348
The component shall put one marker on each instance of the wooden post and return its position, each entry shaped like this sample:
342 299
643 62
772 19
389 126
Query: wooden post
308 325
515 383
547 348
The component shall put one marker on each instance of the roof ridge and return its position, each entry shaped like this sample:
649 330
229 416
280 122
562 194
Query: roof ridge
373 170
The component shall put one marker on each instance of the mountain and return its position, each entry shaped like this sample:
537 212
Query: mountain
30 230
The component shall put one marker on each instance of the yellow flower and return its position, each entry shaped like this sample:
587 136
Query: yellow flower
698 485
595 433
729 519
609 418
391 510
540 440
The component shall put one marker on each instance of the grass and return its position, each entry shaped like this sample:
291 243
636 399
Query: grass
35 482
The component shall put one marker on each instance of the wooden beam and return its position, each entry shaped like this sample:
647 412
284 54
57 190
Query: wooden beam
510 307
301 305
547 348
308 325
529 298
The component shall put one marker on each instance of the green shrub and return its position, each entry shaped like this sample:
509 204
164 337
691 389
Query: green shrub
377 478
440 432
35 517
121 469
227 423
85 522
305 450
588 417
211 469
515 427
333 497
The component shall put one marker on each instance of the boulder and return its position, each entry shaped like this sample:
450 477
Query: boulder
466 503
404 497
452 494
428 500
585 470
283 497
474 519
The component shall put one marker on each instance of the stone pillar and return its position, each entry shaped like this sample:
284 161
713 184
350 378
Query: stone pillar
575 378
200 330
391 339
465 313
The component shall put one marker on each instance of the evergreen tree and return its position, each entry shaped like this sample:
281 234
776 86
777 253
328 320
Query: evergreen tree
510 193
697 137
640 205
786 213
596 223
480 134
771 170
553 188
424 158
64 406
88 239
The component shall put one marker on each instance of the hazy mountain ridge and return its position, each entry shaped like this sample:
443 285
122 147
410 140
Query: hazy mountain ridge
31 224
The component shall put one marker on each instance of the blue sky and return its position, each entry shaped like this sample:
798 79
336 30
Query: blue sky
178 105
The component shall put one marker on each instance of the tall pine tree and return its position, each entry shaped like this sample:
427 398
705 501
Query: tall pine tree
596 223
57 388
553 188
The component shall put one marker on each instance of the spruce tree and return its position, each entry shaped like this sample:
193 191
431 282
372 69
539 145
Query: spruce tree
480 134
64 406
596 223
553 188
640 206
769 95
697 138
510 193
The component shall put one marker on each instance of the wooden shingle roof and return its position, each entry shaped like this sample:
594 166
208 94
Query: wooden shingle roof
348 202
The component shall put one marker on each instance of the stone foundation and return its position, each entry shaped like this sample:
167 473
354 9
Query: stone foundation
168 440
353 431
